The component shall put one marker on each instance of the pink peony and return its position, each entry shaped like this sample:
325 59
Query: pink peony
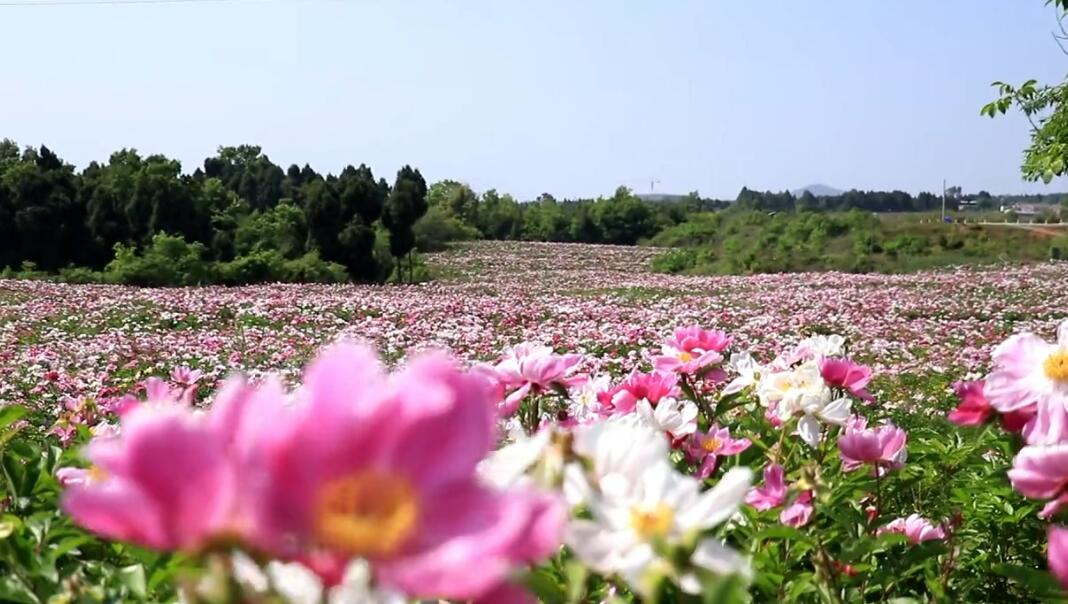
1058 554
974 409
798 513
1042 473
652 387
883 447
1030 373
692 350
165 483
532 368
707 448
916 528
848 375
383 468
772 494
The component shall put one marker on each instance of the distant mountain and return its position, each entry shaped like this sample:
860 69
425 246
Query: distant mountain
819 191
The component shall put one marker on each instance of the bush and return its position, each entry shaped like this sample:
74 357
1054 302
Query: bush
675 261
168 260
310 268
438 227
263 266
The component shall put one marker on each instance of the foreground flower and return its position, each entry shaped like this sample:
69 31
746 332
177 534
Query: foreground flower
300 585
165 483
1042 473
706 449
676 417
773 493
916 528
883 446
649 387
1029 372
974 408
692 350
1058 554
798 513
383 468
846 374
533 368
747 370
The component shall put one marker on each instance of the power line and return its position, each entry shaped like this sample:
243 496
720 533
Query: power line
23 3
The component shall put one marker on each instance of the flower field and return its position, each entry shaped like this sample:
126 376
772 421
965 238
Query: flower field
546 421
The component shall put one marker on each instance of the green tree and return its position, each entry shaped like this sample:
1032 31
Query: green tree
406 204
624 218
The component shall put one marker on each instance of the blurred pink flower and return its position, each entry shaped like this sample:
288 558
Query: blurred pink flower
186 376
883 446
1041 473
165 482
844 373
916 528
798 513
707 448
1058 554
383 467
772 494
974 409
692 350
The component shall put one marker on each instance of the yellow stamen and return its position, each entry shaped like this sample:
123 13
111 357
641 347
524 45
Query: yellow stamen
1056 365
711 445
685 357
97 474
368 514
650 523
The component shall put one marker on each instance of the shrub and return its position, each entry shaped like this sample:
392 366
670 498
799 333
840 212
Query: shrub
168 260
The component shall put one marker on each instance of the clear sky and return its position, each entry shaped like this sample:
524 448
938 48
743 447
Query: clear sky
565 96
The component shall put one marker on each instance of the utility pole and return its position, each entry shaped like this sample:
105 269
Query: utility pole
943 201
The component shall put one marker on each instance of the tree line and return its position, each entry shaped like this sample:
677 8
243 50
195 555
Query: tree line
239 218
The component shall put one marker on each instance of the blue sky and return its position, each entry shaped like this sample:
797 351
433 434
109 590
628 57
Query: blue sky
569 97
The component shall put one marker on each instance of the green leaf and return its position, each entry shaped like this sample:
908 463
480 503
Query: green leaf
133 577
576 574
545 587
13 589
781 532
1040 582
10 415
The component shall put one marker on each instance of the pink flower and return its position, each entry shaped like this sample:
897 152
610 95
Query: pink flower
772 494
531 367
165 482
799 512
692 350
706 448
383 468
1058 554
1041 473
846 374
883 447
974 409
1031 373
186 376
916 528
623 398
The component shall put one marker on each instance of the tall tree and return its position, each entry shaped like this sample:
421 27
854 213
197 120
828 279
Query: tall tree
406 204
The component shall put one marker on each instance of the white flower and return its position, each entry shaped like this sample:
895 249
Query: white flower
618 449
660 507
299 585
803 392
821 346
584 404
678 418
508 465
748 370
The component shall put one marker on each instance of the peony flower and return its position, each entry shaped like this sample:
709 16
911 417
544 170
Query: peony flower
772 494
670 415
705 449
166 482
692 351
883 446
916 528
585 404
299 584
650 387
1058 554
633 519
1042 473
798 513
1029 372
844 373
974 409
802 393
384 468
747 370
618 449
532 368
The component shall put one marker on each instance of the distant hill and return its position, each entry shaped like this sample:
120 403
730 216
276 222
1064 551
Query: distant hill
818 190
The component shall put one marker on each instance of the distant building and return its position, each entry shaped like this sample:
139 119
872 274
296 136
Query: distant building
1024 209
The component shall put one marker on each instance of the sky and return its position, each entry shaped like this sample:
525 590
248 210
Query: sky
568 97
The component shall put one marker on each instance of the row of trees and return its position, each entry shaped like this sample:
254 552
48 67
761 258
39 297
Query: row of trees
872 201
239 205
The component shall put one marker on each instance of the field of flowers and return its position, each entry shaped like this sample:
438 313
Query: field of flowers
636 436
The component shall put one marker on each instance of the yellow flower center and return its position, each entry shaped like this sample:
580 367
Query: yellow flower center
711 445
97 474
650 523
367 514
685 357
1056 365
